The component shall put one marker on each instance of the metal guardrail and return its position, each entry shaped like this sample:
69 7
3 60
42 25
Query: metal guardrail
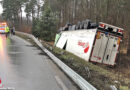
82 83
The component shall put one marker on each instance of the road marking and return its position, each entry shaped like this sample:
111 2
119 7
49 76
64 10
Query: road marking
59 81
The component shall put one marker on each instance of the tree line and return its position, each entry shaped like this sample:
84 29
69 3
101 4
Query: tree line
115 12
46 16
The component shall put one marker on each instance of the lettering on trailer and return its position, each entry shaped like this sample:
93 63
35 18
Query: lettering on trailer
99 58
1 85
84 45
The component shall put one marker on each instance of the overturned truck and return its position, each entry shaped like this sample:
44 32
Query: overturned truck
92 43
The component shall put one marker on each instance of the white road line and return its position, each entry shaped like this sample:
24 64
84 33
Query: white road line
59 81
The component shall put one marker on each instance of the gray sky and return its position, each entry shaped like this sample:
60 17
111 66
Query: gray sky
1 9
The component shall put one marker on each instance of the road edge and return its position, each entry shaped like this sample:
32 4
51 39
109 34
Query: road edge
82 83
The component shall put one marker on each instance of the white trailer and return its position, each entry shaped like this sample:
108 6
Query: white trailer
78 42
99 45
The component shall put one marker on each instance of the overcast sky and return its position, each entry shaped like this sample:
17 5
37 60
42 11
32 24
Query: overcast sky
1 9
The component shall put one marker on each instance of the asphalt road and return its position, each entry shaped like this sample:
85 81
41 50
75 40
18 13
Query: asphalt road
25 67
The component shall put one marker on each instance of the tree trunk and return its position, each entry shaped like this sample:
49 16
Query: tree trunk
21 17
107 11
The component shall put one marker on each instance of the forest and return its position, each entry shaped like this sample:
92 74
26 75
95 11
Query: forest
46 16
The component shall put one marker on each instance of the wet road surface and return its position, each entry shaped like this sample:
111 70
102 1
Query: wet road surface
25 67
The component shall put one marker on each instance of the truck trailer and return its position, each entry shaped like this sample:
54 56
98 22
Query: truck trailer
100 44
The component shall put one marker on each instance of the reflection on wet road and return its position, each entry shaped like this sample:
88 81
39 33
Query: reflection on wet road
2 47
25 67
